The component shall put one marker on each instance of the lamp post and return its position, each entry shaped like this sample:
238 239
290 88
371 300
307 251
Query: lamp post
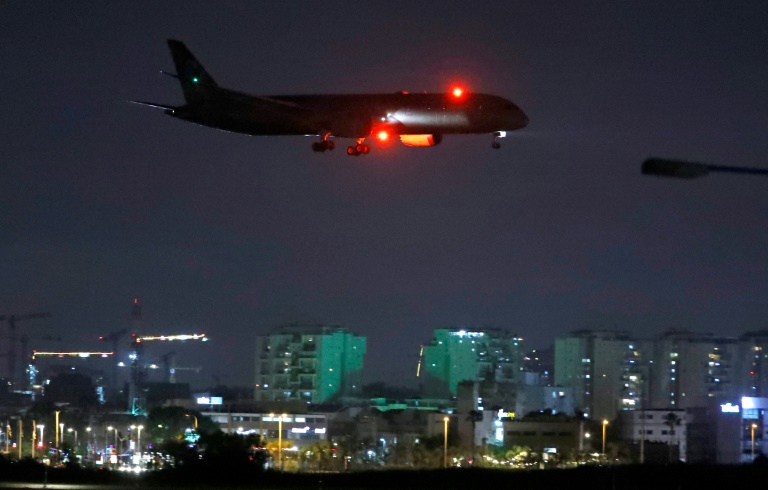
70 430
88 443
754 426
279 440
665 167
34 436
445 441
57 428
138 439
42 441
115 429
605 424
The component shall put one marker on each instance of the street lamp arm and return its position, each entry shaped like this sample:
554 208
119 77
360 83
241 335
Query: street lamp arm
665 167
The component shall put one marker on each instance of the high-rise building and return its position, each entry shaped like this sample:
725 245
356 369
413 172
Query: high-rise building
604 369
308 362
611 371
690 368
456 355
753 365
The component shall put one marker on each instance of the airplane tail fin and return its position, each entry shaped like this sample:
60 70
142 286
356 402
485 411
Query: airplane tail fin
195 81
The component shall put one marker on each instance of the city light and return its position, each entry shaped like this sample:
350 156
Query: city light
445 441
41 442
754 426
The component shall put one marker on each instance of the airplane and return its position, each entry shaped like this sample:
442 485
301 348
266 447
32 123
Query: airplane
417 119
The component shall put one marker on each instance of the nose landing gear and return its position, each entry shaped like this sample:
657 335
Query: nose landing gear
497 139
324 144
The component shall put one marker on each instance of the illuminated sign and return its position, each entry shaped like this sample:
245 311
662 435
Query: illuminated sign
210 400
729 408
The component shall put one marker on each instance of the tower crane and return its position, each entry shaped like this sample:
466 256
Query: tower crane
171 369
169 366
114 337
33 371
138 372
12 347
138 369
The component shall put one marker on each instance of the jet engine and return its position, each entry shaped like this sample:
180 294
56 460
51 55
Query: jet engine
421 139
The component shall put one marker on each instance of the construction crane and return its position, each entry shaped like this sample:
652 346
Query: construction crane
33 371
12 347
114 337
81 354
138 367
171 369
138 371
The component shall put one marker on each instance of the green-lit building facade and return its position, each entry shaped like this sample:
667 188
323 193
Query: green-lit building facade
313 363
455 355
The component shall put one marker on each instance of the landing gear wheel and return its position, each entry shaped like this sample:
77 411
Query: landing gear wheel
352 151
361 148
324 144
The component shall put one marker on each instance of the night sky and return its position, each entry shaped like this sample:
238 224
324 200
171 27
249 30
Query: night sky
102 201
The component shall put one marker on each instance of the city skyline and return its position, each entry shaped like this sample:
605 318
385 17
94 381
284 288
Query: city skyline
102 201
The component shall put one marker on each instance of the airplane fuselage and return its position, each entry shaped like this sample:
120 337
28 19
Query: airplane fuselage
353 115
418 119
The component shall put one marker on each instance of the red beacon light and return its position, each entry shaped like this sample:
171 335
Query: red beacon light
382 135
457 92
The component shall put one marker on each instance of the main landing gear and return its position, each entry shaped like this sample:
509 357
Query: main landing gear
358 149
497 139
324 144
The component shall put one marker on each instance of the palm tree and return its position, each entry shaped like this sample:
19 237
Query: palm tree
672 420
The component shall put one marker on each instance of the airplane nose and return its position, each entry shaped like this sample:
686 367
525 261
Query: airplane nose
517 119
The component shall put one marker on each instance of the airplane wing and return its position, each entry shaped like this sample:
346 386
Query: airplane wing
283 103
154 104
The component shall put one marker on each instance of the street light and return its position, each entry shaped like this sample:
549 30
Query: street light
754 426
34 435
115 429
42 441
445 441
70 430
664 167
279 441
57 428
605 424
